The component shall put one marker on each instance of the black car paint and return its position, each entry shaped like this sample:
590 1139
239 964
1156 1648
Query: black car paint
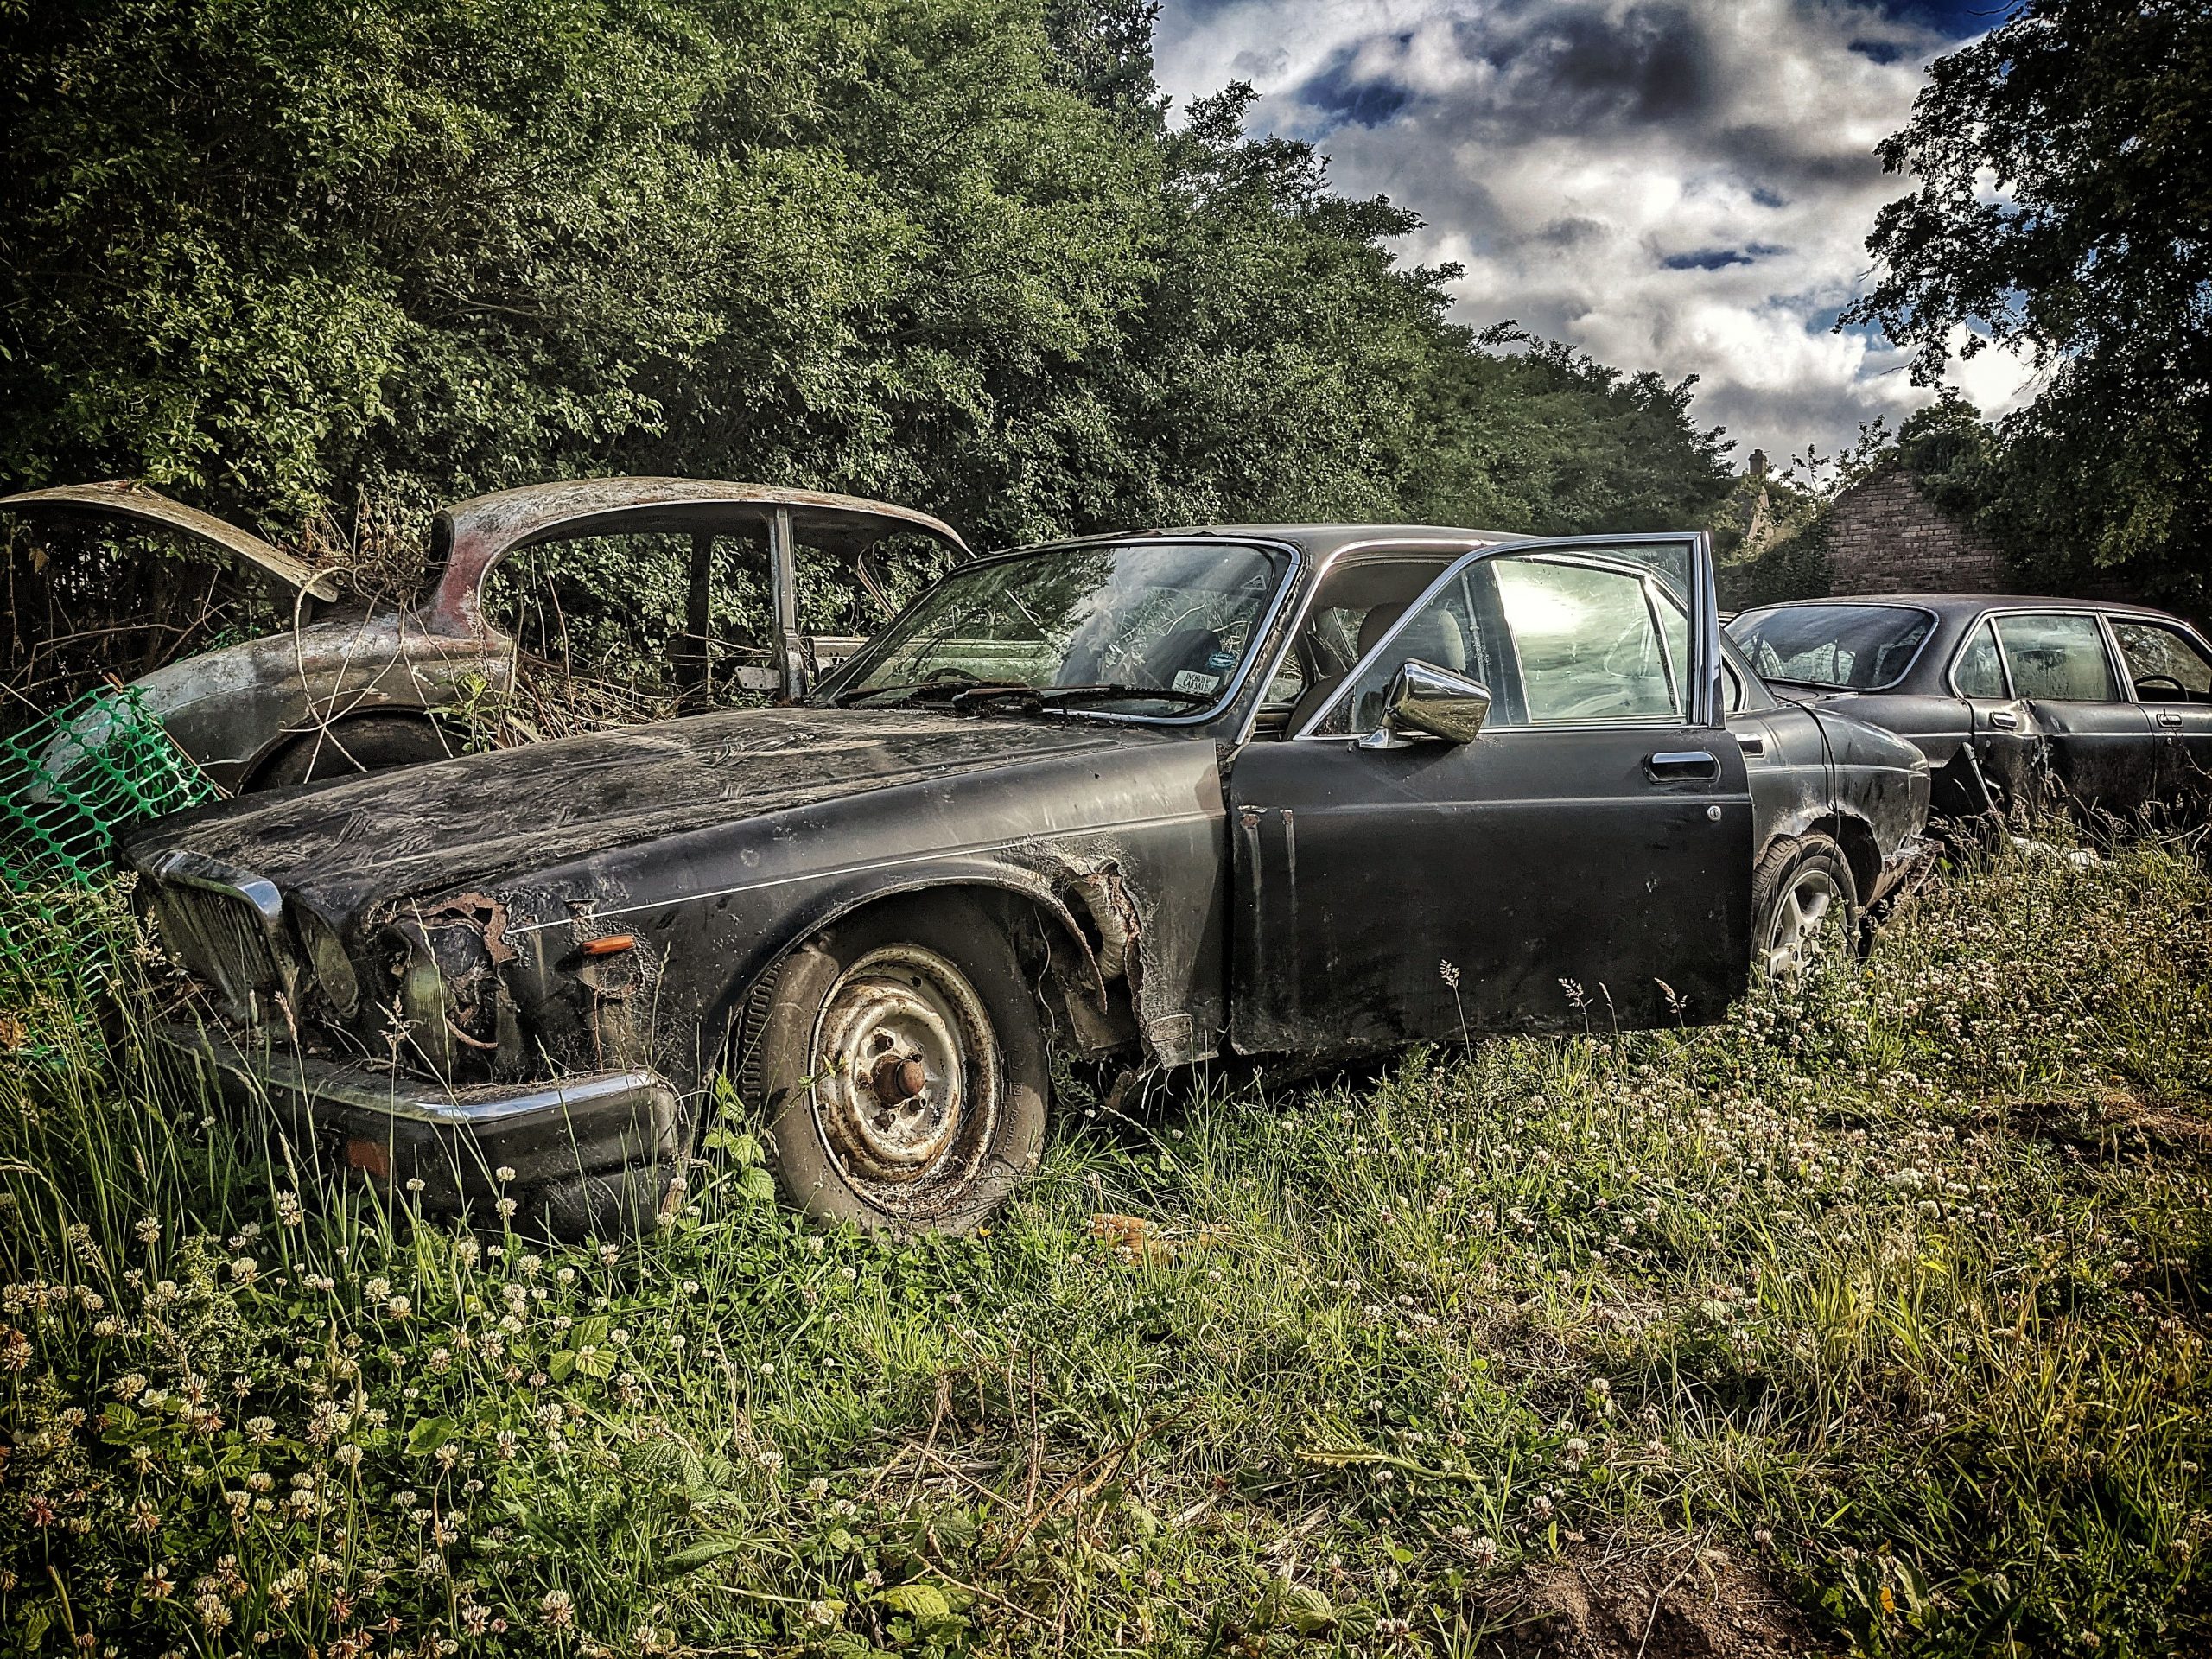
1992 754
465 892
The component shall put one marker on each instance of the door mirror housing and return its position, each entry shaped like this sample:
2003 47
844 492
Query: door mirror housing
1425 701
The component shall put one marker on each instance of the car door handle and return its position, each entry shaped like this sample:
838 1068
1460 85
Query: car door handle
2167 717
1681 763
2004 720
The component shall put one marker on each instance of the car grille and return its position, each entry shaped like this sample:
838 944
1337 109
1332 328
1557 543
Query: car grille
219 938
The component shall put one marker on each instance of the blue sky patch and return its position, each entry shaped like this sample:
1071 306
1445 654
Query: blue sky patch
1706 259
1337 94
1955 20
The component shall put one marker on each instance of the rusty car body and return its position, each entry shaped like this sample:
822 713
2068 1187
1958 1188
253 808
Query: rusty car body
1160 796
2021 704
353 687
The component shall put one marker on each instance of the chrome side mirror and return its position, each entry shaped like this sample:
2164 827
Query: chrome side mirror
1429 702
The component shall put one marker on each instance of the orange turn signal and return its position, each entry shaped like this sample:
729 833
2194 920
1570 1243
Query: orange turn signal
609 945
370 1158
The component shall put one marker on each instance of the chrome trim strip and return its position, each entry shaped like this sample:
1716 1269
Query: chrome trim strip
193 869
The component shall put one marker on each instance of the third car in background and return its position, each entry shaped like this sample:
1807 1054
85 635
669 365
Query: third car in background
2017 703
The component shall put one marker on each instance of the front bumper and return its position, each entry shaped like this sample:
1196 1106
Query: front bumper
574 1146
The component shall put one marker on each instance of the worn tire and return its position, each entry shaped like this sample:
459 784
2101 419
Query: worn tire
1796 874
932 979
364 743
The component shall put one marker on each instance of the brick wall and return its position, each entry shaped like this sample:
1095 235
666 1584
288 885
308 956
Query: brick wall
1886 537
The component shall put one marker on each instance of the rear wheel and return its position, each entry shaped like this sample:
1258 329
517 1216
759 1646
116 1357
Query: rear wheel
898 1060
350 747
1804 900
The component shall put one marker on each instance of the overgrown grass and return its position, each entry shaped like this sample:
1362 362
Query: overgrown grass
1893 1286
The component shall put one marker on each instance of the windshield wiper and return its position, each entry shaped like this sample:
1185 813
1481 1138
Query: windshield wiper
1052 695
944 687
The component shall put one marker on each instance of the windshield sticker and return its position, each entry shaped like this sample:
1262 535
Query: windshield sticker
1188 679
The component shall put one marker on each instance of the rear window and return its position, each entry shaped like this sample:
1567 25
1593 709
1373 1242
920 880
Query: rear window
1850 647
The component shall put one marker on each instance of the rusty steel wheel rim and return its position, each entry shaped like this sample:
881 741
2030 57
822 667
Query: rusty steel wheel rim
905 1077
1811 904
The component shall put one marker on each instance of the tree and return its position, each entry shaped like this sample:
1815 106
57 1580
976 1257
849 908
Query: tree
2064 207
283 258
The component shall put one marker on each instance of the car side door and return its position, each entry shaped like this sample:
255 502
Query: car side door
2101 749
1585 857
2170 671
2005 750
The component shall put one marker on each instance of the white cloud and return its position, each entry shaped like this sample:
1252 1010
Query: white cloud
1678 185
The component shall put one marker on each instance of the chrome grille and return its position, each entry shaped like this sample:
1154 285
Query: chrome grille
219 938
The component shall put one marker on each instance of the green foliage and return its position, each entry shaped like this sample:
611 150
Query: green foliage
286 259
2091 255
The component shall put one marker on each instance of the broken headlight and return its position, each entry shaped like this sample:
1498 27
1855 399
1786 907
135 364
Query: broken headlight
456 1013
335 976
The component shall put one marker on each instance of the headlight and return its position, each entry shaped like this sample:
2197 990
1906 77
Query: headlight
334 973
448 994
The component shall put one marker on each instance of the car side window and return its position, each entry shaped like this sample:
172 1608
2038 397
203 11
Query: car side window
1589 645
1558 640
2165 663
1980 672
1458 629
2057 656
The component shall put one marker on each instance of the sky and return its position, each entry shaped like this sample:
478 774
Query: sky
1679 185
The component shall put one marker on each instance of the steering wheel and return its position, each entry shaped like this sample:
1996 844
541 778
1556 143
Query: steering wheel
2144 680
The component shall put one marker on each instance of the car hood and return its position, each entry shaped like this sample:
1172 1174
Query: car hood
511 811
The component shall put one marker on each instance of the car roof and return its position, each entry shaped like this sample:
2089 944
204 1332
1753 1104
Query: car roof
1954 606
1315 540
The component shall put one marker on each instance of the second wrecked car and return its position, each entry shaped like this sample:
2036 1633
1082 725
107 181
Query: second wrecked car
353 687
1313 789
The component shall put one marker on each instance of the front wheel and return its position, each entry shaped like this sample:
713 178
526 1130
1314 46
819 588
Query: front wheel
1804 900
900 1063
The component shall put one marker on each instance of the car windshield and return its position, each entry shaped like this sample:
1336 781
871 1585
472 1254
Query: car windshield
1847 647
1141 627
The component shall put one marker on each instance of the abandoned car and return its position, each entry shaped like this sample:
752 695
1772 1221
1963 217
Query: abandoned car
351 689
1302 789
2020 704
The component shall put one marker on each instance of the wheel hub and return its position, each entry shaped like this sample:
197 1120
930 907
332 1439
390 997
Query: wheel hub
1811 902
905 1076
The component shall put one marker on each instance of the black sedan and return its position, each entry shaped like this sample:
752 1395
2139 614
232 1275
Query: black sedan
1161 796
2020 704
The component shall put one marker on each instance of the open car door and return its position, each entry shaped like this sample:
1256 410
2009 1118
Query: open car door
1521 810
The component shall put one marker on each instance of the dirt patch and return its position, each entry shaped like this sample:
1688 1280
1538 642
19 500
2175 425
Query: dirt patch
2113 1122
1684 1603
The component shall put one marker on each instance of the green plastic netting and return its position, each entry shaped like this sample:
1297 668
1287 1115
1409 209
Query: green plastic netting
68 785
70 781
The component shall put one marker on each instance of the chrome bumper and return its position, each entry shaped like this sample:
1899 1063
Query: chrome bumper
564 1148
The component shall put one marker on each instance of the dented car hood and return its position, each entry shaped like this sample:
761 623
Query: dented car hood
450 822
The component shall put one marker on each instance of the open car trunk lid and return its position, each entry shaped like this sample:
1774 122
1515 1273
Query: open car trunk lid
150 509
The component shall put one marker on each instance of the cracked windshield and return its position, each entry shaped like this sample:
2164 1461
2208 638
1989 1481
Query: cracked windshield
1159 628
